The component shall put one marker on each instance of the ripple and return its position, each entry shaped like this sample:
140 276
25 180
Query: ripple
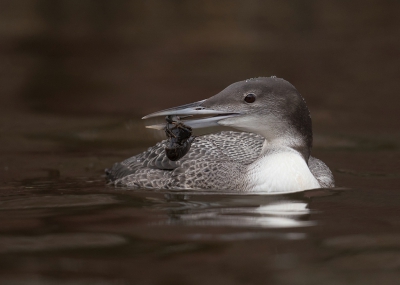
58 201
364 241
369 261
36 280
58 241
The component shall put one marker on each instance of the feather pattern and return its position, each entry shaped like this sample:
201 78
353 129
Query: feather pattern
215 161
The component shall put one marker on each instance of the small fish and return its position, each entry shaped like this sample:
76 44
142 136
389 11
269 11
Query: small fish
179 137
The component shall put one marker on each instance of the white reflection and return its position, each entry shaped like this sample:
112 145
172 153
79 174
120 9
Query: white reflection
274 213
243 221
284 208
248 236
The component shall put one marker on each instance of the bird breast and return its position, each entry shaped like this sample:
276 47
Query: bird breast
280 171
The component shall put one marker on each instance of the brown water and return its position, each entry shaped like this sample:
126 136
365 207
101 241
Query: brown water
76 76
61 224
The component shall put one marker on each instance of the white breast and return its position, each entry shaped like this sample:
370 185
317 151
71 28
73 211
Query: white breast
282 171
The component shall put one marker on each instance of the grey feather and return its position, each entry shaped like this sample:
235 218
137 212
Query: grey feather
211 159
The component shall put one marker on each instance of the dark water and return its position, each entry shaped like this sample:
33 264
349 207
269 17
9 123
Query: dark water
75 76
61 224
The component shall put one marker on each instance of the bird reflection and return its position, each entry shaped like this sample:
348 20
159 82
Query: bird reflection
254 211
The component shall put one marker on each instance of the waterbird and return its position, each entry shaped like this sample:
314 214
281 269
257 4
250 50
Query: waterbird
269 151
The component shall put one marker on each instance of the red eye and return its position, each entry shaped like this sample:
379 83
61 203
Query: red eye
250 98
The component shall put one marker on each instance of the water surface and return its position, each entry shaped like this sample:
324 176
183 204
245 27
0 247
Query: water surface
61 223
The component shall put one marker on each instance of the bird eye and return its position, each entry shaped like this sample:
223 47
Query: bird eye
250 98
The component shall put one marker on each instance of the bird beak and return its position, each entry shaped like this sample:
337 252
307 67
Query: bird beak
189 110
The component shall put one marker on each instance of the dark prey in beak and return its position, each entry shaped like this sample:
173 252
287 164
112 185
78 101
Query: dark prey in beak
179 137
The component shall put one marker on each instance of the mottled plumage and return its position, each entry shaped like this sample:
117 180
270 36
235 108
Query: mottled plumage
211 159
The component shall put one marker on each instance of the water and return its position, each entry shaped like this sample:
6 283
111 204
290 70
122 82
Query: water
61 223
77 75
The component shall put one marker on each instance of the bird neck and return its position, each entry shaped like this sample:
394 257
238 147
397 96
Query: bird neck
286 143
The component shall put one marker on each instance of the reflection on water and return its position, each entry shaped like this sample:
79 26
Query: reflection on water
274 212
65 214
83 231
248 236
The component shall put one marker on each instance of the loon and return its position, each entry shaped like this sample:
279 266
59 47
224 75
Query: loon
270 152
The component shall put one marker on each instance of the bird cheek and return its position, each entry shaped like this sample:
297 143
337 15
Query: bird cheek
237 122
229 122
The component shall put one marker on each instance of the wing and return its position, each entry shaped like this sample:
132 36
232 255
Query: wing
224 146
321 172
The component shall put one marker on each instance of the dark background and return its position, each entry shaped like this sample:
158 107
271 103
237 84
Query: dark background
133 57
78 75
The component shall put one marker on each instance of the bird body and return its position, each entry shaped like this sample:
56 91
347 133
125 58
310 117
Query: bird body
271 153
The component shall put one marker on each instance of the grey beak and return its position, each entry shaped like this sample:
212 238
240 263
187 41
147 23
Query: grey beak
192 109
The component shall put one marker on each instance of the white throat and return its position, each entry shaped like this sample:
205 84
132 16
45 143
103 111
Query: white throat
280 170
